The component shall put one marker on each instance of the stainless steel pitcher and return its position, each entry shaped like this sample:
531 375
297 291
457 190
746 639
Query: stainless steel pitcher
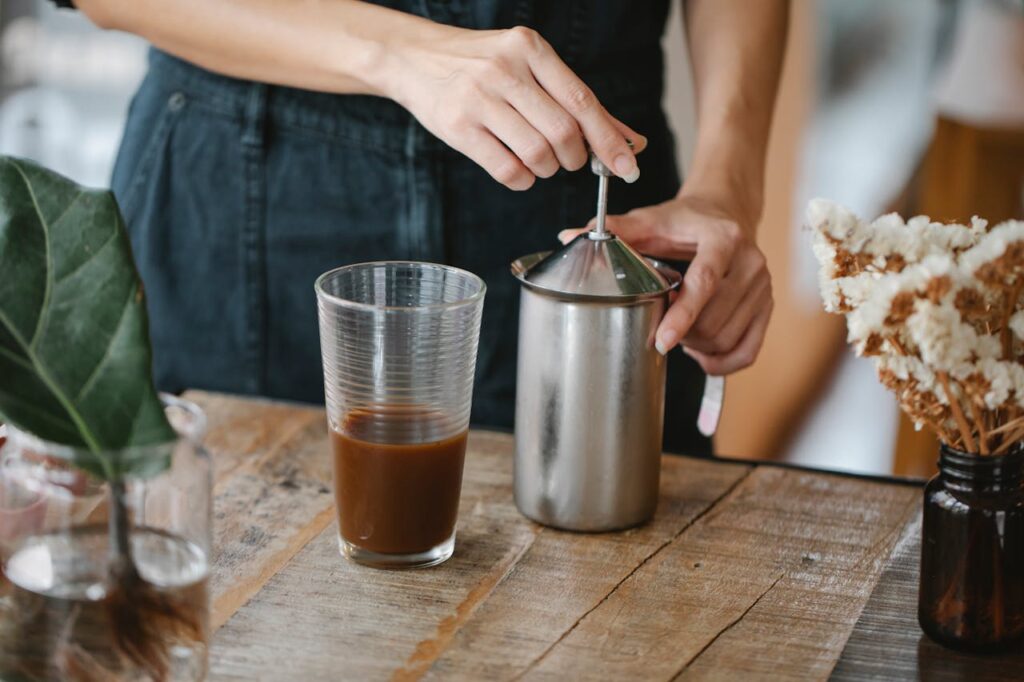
590 387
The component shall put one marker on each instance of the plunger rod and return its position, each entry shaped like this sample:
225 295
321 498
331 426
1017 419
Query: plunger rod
602 205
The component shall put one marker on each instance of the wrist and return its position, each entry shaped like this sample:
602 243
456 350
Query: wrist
739 198
378 50
728 170
404 52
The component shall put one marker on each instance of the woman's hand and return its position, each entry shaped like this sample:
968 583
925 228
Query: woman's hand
722 310
505 99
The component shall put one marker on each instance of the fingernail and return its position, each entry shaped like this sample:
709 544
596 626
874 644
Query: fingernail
626 168
638 141
666 341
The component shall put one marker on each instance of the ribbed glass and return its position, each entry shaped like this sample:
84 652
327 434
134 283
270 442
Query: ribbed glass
399 344
399 335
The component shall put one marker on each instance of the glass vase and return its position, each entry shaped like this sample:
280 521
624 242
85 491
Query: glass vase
972 552
105 580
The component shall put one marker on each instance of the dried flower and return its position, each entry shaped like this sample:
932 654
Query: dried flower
939 308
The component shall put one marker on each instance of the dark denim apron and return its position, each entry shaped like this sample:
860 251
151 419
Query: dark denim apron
239 194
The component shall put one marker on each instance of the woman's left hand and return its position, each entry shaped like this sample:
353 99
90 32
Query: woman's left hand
722 310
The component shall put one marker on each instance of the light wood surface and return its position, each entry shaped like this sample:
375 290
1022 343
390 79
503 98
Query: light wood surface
746 571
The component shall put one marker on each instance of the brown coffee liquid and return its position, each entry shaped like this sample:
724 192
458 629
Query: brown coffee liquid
395 496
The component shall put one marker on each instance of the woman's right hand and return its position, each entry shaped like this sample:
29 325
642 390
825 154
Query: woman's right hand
508 102
503 98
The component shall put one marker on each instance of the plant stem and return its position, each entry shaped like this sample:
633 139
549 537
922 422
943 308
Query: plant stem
979 422
944 435
1010 440
1008 426
958 414
120 529
895 343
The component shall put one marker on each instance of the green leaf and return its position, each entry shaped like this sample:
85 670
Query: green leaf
75 358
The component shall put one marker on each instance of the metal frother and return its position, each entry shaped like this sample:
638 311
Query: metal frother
590 386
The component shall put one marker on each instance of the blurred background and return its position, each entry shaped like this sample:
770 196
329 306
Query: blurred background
914 106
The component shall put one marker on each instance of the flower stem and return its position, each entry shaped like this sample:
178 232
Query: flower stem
979 423
958 414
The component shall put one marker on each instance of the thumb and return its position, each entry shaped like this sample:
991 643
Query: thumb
631 227
566 236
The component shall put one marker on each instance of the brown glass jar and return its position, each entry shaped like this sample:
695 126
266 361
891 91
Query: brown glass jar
972 552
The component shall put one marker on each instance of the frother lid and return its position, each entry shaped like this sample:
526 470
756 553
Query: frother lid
596 266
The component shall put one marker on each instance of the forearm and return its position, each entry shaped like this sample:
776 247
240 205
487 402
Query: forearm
502 97
736 49
340 46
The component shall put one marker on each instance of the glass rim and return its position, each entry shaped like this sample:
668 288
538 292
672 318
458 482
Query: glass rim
191 431
321 294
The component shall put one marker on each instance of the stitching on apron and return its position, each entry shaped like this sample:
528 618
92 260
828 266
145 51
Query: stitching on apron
410 232
253 238
421 232
577 32
144 168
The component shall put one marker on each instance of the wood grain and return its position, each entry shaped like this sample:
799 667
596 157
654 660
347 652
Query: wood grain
566 576
744 572
887 643
771 581
511 589
323 617
272 494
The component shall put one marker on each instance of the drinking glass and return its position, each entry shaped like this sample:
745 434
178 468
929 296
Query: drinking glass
399 343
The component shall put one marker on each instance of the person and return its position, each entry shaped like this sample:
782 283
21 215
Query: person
271 141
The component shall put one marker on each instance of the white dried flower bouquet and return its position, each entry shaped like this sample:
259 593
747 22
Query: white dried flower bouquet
939 309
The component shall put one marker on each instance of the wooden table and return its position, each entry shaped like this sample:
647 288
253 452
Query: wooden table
746 571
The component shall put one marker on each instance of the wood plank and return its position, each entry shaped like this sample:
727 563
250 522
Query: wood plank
565 576
744 572
887 643
239 429
770 582
511 590
272 494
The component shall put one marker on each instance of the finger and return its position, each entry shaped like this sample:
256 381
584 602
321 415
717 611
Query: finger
566 236
494 157
517 134
732 332
723 306
598 126
700 282
551 120
619 225
725 338
740 291
638 140
743 355
638 228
